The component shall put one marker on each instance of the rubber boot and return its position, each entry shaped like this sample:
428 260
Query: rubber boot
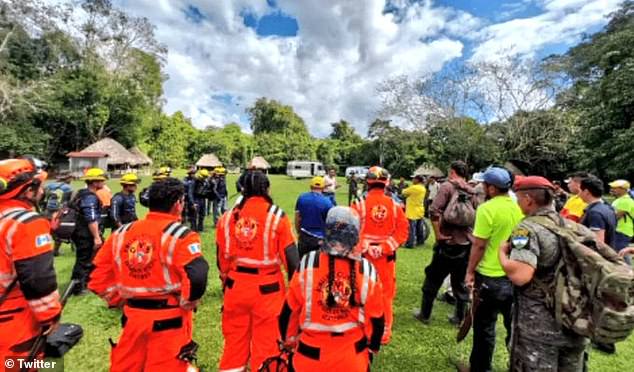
427 304
459 313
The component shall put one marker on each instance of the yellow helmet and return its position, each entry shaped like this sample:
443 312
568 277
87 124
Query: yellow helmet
318 182
220 170
94 174
129 179
203 173
165 170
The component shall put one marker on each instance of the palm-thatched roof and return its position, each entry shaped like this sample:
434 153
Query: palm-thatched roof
259 162
141 157
117 154
209 161
428 170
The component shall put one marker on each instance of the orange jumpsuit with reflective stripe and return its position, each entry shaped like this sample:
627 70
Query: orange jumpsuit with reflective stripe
154 267
333 337
26 252
383 223
254 241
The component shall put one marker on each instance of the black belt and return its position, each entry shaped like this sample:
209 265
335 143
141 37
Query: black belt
255 270
314 353
148 304
391 257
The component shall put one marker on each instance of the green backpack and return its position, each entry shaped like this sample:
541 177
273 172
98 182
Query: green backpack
593 291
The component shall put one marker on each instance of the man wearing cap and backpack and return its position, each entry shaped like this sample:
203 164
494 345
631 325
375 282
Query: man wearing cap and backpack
311 210
494 222
452 216
123 204
570 286
530 260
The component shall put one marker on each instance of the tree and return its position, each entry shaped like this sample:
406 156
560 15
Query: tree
602 95
172 140
270 116
462 139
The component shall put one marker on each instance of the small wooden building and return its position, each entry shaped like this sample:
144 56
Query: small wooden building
209 162
80 161
260 163
143 163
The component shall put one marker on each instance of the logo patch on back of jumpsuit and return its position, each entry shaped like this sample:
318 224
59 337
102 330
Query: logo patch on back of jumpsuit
139 257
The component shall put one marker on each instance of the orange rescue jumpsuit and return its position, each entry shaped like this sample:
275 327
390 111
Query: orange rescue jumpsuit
155 268
383 223
26 253
253 242
333 338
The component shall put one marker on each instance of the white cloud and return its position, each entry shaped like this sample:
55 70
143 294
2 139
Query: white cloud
563 21
343 49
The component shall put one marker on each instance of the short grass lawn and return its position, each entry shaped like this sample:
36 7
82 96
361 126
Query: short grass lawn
414 347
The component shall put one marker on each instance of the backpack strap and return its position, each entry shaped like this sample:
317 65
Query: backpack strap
554 291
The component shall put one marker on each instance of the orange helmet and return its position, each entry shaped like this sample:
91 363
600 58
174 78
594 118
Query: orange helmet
377 174
16 174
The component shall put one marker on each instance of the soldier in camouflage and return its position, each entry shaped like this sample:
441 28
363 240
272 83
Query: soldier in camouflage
529 260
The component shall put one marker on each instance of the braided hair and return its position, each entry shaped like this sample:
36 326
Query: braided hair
256 183
330 300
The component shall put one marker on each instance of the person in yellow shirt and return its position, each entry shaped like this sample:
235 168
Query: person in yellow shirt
415 211
575 206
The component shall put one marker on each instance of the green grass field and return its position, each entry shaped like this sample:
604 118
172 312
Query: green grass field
414 347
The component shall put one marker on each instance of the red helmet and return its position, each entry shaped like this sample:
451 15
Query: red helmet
377 174
16 174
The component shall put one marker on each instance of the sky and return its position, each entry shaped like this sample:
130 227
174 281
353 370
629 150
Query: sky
325 58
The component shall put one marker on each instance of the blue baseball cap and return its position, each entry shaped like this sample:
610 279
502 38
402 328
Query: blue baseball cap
498 177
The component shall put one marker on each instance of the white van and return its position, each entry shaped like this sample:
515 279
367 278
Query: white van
359 171
304 169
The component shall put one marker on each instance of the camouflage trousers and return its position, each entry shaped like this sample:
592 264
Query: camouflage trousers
528 355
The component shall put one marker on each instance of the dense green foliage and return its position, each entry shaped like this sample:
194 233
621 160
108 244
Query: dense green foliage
62 90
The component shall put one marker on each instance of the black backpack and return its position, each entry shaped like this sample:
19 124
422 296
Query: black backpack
63 339
64 222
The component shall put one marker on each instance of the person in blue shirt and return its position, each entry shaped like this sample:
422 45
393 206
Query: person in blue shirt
123 204
87 237
311 210
598 216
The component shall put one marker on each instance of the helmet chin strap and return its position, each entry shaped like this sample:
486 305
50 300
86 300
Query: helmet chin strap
33 187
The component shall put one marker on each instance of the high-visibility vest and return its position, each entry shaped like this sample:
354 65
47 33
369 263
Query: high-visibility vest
313 275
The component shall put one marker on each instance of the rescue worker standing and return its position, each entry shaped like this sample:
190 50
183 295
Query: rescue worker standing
123 205
220 191
154 268
87 236
254 240
29 301
200 191
539 343
311 210
336 301
159 175
384 228
189 214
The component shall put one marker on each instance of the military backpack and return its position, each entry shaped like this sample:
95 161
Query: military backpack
593 290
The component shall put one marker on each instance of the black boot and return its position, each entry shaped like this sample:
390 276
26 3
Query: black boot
423 315
459 313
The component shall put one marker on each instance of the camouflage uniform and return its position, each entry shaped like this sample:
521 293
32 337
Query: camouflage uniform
539 344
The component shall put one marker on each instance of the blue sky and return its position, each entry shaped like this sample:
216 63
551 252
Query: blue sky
327 57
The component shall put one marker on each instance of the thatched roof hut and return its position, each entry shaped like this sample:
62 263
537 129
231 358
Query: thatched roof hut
209 161
428 170
259 162
141 158
117 154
